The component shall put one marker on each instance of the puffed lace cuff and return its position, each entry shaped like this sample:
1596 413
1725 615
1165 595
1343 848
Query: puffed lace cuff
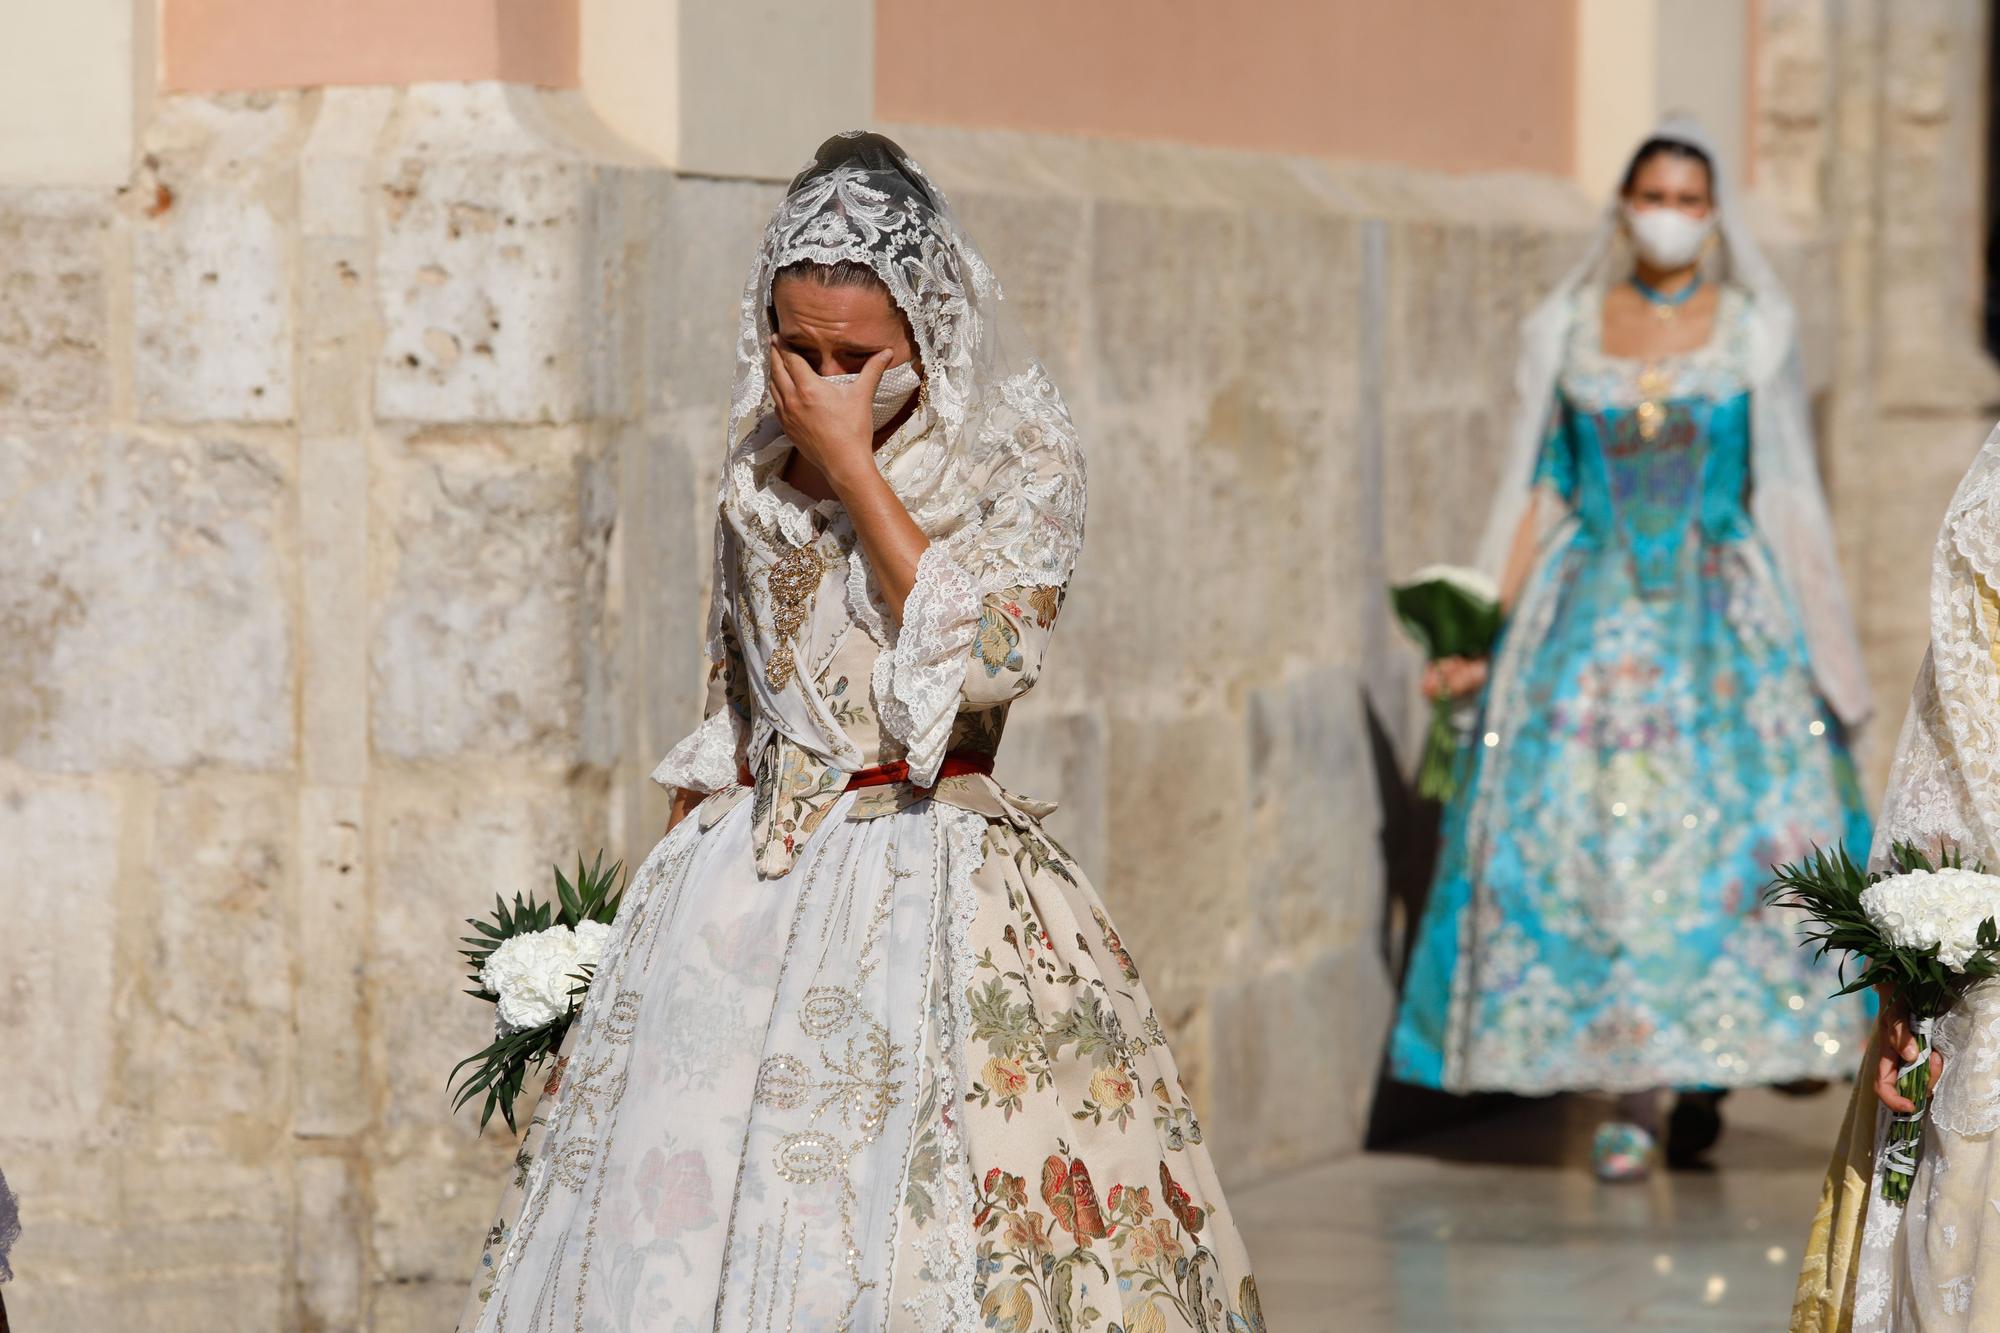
917 682
706 760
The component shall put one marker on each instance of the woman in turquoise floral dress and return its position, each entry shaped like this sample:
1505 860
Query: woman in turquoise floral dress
1668 713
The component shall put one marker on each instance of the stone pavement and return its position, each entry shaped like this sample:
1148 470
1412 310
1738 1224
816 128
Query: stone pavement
1499 1228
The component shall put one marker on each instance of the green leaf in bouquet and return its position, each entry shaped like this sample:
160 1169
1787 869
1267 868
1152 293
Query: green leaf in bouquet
501 1070
1446 619
503 1067
572 909
598 890
1828 890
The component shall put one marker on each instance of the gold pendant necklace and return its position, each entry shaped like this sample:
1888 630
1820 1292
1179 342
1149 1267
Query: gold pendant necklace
1665 308
1653 385
792 579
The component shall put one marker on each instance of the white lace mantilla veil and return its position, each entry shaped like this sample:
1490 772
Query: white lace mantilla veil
1944 786
1786 501
1918 1265
993 473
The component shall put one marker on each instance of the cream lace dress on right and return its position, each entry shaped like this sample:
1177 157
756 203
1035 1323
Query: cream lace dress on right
1935 1264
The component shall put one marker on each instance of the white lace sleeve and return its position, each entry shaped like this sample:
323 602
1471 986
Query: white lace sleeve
917 681
706 759
1926 804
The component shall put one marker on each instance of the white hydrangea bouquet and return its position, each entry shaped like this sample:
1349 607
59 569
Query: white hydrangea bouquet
1926 931
532 962
1450 611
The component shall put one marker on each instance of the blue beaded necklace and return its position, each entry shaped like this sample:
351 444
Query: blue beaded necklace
1666 307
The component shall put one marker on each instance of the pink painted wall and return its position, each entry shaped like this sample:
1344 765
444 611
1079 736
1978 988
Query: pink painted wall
211 45
1455 85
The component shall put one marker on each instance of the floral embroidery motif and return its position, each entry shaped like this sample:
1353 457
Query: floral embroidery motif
998 644
1063 1242
1035 1265
1044 602
1115 947
848 710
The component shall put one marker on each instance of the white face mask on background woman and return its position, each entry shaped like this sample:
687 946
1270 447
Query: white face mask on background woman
1667 238
895 389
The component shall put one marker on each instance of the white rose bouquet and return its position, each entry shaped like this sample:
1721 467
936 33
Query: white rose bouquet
1450 611
532 962
1927 931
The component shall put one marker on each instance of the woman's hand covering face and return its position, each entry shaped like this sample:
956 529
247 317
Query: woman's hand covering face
824 332
829 331
831 423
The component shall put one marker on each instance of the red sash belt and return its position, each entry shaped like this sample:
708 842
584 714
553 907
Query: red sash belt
956 765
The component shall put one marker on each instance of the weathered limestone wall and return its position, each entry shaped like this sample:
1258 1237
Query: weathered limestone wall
1871 139
1290 382
309 448
356 466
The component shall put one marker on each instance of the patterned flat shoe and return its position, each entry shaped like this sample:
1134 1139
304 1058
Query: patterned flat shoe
1621 1151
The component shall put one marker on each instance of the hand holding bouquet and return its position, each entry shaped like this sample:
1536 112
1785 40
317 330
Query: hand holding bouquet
1451 613
1927 932
533 962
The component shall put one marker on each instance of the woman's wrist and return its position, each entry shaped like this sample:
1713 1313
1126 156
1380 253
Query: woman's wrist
853 474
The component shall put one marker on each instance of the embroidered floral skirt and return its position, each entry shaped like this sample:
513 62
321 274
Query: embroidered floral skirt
913 1084
1644 758
1932 1266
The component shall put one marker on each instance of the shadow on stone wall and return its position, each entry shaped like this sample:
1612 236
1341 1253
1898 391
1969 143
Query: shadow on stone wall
1410 824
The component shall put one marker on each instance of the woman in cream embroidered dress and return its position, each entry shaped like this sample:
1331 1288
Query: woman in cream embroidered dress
1932 1266
866 1052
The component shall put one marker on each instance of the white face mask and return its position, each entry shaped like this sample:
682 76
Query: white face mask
897 385
1667 238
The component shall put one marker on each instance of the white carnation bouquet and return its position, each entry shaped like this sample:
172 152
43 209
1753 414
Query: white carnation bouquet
533 961
1926 931
1451 611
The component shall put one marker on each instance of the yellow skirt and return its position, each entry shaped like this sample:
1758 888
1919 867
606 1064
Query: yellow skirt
1825 1300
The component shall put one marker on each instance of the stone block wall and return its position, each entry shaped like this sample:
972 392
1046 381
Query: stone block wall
1872 140
356 467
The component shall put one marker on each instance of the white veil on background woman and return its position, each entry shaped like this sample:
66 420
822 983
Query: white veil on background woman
1786 500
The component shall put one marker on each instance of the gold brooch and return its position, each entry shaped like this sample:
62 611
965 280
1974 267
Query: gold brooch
1653 385
793 579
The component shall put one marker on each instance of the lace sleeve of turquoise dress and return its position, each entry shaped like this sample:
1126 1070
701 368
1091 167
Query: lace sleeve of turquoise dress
1651 742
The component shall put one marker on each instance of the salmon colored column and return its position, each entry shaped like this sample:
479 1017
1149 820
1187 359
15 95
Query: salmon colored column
215 45
1454 85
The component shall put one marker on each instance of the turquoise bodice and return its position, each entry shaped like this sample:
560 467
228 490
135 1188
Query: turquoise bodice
1657 479
1654 460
